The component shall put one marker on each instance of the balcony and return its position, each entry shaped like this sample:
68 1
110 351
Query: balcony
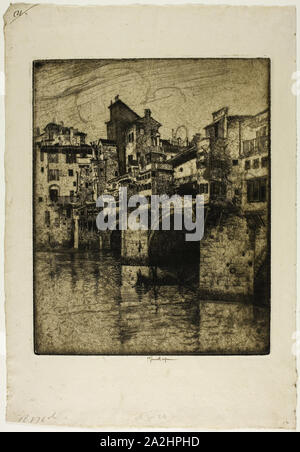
185 180
65 200
257 145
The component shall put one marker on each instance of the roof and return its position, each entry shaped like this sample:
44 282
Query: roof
233 117
119 101
184 156
142 120
108 142
63 128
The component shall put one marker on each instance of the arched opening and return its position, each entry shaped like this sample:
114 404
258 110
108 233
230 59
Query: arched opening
169 250
54 193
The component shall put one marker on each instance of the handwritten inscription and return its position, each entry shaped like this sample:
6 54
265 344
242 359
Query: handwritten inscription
159 358
28 419
20 12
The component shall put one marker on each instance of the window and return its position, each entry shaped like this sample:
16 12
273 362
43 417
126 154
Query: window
40 199
181 169
53 174
86 185
53 157
264 162
262 132
248 147
71 172
218 189
42 156
256 163
235 162
74 184
203 188
42 169
71 158
247 164
116 173
257 190
47 218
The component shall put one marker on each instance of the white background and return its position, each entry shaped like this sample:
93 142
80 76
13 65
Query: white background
4 426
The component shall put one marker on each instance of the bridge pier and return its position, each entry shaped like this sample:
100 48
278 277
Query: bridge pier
135 247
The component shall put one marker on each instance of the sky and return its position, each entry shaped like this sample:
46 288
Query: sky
179 92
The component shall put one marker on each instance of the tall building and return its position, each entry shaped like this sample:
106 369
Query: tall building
61 165
121 117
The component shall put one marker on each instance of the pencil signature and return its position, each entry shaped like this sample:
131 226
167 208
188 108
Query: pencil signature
159 358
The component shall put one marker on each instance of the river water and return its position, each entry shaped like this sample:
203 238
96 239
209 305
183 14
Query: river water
88 303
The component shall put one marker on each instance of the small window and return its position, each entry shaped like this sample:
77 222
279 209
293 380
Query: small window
116 173
247 164
40 199
47 218
53 175
71 172
42 156
42 169
71 158
235 162
74 184
256 163
86 185
53 157
203 188
264 162
181 169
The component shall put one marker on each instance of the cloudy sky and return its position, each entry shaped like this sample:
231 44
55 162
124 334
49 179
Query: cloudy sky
178 92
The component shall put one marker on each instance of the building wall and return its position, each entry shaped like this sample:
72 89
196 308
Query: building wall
188 168
227 259
134 247
53 226
120 117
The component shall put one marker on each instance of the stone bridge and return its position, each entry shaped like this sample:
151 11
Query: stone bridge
231 261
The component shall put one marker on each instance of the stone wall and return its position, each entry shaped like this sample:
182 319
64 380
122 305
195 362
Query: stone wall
89 239
134 248
227 259
233 328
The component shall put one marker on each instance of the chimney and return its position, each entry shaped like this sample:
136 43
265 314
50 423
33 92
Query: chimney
147 113
116 97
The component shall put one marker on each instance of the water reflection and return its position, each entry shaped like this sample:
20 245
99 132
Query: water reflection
91 304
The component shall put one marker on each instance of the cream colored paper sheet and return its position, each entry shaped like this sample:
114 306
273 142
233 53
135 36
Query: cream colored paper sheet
131 391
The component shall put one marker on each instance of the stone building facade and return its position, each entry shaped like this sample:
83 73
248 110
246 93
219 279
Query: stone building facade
61 158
